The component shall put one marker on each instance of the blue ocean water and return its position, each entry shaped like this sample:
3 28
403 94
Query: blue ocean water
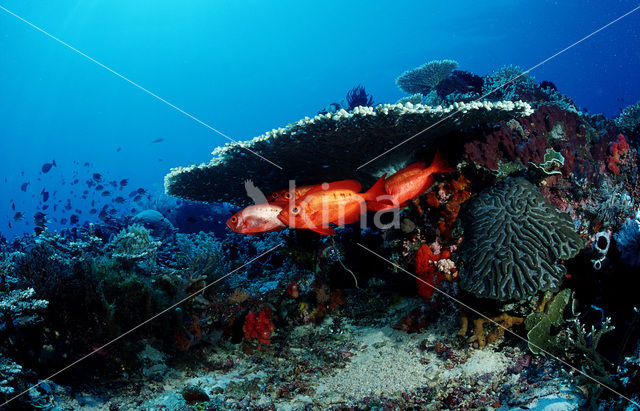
247 67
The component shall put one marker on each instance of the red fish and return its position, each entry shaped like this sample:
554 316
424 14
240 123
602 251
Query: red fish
257 219
286 194
409 183
340 202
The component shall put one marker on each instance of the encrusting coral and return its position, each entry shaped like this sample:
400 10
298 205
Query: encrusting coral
539 323
331 147
514 242
502 322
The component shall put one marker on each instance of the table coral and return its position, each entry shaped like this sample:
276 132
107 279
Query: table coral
330 147
514 242
425 77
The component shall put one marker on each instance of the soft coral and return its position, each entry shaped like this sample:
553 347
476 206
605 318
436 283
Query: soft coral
432 269
259 327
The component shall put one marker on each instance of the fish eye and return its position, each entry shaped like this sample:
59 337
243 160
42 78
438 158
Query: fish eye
287 196
295 210
234 219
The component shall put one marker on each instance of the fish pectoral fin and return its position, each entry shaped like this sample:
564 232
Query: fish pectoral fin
323 230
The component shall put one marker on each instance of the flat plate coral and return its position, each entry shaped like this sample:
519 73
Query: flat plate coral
330 147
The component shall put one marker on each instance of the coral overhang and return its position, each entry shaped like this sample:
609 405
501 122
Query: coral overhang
331 147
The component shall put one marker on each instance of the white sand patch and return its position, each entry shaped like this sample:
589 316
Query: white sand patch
479 362
388 364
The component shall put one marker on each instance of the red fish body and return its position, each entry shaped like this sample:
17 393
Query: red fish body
409 183
286 195
256 219
340 202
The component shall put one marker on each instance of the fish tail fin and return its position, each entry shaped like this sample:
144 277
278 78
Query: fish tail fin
376 190
440 164
54 163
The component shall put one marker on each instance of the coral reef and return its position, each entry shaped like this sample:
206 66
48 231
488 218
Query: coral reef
514 242
628 241
134 244
307 325
432 269
424 78
259 327
629 119
413 99
314 149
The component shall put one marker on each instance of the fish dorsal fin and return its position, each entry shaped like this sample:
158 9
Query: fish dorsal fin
376 190
420 165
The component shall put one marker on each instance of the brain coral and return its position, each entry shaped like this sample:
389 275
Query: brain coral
330 147
513 242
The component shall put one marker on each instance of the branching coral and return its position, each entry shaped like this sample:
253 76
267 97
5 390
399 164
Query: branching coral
511 83
612 205
201 255
424 78
586 344
9 372
413 99
514 242
508 81
134 244
629 119
19 307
